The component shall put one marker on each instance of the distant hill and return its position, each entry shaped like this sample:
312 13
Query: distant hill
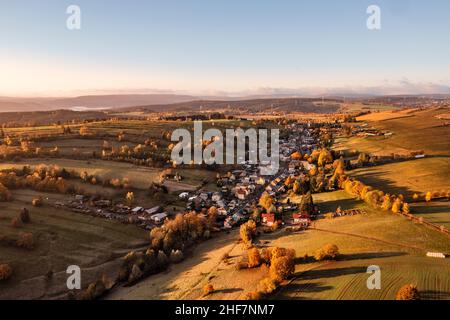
49 117
12 104
254 105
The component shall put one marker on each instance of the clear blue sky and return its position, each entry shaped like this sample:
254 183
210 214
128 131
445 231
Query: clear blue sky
221 45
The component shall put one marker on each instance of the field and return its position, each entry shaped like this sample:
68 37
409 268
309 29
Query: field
62 238
395 244
357 107
418 130
408 177
392 242
412 130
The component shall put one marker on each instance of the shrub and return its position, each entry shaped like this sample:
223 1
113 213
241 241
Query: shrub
328 252
5 194
5 271
254 258
94 290
37 202
408 292
135 274
25 215
267 285
208 289
16 223
176 256
162 260
26 241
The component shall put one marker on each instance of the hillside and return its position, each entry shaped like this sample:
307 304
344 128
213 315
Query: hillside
255 105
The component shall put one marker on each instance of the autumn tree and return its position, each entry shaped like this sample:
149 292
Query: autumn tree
282 267
254 258
84 131
408 292
129 198
328 252
208 289
324 157
266 201
25 215
405 208
5 272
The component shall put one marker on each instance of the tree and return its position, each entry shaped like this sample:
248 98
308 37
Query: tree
8 141
296 188
266 201
5 194
254 258
428 196
129 198
408 292
84 131
25 215
282 267
387 203
324 157
397 206
296 156
5 272
405 208
267 285
26 241
247 231
208 289
328 252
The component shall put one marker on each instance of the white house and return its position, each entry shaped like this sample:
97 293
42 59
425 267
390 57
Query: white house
159 217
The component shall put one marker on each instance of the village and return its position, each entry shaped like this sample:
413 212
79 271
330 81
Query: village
238 195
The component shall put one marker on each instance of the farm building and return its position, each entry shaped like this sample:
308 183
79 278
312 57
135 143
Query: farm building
159 217
268 219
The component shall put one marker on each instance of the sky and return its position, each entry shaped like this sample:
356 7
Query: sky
223 47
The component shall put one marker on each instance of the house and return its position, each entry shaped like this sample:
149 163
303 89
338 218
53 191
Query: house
436 255
137 210
237 217
183 195
222 212
159 217
301 219
220 204
153 210
80 197
232 205
216 197
268 219
241 193
228 223
261 181
204 196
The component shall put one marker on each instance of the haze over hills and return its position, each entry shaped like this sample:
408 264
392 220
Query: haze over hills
14 104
